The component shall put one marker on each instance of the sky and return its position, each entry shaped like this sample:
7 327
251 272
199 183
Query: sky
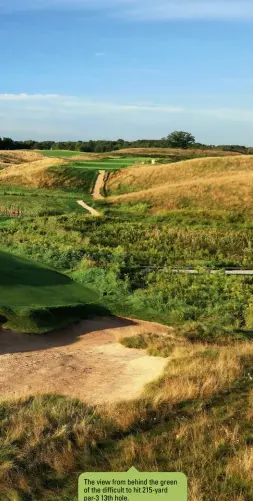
131 69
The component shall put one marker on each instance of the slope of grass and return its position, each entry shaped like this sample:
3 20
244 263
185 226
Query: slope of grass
22 201
32 173
12 157
212 183
36 299
72 177
175 153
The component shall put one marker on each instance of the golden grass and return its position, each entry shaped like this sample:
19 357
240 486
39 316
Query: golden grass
152 432
18 157
31 174
241 466
196 372
174 152
199 183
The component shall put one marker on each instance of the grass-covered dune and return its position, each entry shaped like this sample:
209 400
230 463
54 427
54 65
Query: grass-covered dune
36 299
206 183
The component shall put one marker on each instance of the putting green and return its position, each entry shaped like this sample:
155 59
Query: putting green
34 298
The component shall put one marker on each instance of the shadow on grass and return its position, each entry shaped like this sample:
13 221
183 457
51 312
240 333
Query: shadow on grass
96 318
247 334
17 270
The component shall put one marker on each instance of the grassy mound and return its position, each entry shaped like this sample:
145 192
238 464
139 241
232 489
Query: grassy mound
8 157
210 183
33 173
36 299
176 153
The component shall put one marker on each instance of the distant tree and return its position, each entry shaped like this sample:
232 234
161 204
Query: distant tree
7 144
180 139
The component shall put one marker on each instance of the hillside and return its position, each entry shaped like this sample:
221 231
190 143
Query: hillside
33 173
33 170
199 183
18 157
174 152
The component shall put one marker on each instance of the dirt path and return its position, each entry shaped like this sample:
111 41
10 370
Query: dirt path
85 361
99 185
92 211
96 194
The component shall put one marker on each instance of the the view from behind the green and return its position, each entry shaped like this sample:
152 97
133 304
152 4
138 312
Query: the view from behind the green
126 249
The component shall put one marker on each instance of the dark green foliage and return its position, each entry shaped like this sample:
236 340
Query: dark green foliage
173 140
180 139
73 177
129 262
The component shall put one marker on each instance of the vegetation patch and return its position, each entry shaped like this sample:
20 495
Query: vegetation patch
156 345
72 177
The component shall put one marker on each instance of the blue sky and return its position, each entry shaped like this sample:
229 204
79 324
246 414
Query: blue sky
82 69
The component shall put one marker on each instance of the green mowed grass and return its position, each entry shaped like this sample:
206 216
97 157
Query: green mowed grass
59 153
40 201
35 299
110 164
106 163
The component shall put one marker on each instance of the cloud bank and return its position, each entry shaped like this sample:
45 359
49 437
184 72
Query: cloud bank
63 117
144 9
78 105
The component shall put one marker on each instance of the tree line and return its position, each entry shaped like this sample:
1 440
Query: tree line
177 139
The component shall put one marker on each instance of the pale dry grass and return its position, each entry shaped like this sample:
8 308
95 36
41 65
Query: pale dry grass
174 152
203 183
31 174
8 157
241 466
150 176
193 374
195 490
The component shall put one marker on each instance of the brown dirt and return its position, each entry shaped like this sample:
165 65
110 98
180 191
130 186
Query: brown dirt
90 209
99 185
85 361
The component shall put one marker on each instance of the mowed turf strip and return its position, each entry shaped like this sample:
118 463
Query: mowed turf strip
36 299
59 153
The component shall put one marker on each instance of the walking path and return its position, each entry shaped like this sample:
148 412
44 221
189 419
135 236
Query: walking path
99 185
90 209
96 194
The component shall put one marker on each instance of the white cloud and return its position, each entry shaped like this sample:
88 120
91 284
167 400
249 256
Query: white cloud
29 97
76 106
145 9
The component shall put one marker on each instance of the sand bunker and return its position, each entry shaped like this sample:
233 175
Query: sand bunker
85 361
